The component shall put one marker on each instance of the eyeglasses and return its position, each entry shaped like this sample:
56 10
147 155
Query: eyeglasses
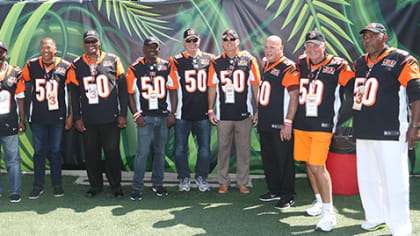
91 41
229 39
194 40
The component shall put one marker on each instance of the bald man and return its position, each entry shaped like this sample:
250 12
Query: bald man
278 89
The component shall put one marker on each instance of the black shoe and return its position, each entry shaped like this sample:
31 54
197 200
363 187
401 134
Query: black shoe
118 194
160 191
36 192
92 193
269 197
58 191
283 204
15 198
136 195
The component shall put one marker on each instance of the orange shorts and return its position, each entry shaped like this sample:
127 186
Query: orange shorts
312 147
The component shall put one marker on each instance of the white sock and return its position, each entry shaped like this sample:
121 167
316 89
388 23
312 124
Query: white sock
318 197
327 207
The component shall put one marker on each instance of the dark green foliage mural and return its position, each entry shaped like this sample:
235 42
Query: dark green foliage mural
123 25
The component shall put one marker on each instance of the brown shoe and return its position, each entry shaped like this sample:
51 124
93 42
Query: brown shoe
243 189
223 188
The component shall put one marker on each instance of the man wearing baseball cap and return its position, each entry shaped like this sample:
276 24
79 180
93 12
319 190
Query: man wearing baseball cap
190 69
321 75
387 85
233 81
11 122
99 102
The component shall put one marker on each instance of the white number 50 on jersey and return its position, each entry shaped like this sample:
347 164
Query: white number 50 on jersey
317 89
371 88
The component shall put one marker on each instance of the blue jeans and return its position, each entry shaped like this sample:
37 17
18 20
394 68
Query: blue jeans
12 159
47 141
156 128
201 129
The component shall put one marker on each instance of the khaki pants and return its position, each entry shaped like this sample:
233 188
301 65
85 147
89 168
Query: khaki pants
241 130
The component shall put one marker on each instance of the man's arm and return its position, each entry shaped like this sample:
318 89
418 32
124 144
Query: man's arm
173 95
211 94
21 107
413 133
286 130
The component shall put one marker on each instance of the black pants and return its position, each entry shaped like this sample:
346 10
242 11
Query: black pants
106 137
278 163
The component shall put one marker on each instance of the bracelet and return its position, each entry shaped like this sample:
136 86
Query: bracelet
135 114
288 121
210 111
414 126
287 124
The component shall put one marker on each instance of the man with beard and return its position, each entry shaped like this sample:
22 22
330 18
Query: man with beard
48 112
99 101
149 79
387 85
11 87
190 69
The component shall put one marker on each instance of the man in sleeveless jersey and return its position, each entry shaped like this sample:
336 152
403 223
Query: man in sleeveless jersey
233 82
387 85
148 84
99 101
12 93
190 69
321 75
48 114
277 105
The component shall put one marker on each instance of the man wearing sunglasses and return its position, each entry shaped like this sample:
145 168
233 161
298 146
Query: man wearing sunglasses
48 114
99 102
190 68
233 81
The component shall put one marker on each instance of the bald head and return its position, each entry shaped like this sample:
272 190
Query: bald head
273 48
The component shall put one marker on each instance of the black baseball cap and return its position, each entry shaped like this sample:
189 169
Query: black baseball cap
315 36
149 41
230 32
3 45
90 34
191 33
374 27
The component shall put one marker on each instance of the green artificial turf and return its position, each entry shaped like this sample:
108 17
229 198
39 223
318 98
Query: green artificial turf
181 213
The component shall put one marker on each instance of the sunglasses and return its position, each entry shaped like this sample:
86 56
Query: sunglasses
229 39
194 40
91 41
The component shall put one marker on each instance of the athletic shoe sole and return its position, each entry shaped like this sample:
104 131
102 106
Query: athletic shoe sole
37 196
291 203
377 227
269 199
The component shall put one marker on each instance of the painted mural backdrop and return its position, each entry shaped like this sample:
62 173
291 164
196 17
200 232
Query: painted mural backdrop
123 25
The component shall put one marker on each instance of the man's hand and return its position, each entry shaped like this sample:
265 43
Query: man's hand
21 126
69 122
412 137
255 119
171 120
80 126
286 133
122 122
212 119
140 121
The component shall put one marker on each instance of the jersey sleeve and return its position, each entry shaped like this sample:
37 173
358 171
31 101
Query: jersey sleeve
173 75
71 76
131 80
25 73
345 75
20 88
410 71
291 77
120 67
255 72
212 81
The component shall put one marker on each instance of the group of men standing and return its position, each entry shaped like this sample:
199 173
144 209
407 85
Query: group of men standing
296 112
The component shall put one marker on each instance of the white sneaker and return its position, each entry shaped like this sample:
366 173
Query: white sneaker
372 226
184 184
315 209
327 222
202 184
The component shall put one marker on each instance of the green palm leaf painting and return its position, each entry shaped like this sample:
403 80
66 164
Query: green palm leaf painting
307 15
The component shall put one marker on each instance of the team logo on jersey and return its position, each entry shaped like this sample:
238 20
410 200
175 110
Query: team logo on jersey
108 63
162 67
275 72
242 63
60 70
328 70
205 61
389 63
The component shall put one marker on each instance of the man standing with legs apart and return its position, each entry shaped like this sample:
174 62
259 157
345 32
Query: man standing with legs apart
387 84
11 87
48 113
234 77
190 69
99 100
316 117
277 105
148 79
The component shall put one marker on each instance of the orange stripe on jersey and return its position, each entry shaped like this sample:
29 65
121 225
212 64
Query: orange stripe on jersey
369 62
71 76
324 62
269 66
211 75
85 58
255 70
410 71
20 86
174 69
291 77
120 68
130 80
346 74
25 73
